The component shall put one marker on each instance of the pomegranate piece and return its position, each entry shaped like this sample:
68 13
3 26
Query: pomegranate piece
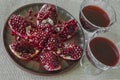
67 29
45 27
47 14
49 61
53 43
71 52
39 39
23 50
19 25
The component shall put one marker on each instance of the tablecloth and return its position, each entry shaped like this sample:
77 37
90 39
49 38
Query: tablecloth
9 71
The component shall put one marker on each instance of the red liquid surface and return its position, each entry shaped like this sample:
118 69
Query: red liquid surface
104 51
96 15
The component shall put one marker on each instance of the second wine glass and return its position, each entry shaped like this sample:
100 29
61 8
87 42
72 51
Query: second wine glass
102 53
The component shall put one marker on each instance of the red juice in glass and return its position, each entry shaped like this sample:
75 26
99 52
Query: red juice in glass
104 51
92 16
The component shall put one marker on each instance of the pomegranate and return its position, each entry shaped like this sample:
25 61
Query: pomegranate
49 61
19 25
45 27
67 29
23 50
53 43
39 39
71 52
47 14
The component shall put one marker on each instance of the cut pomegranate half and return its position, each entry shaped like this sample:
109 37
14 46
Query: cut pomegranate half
49 61
71 52
23 50
19 26
47 14
67 29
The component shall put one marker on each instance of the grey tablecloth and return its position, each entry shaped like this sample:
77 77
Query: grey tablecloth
9 71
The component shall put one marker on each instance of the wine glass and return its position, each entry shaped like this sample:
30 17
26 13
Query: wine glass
102 53
96 15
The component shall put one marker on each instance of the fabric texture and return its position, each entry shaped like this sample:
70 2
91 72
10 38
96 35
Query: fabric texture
9 71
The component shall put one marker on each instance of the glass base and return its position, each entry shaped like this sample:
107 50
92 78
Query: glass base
89 68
